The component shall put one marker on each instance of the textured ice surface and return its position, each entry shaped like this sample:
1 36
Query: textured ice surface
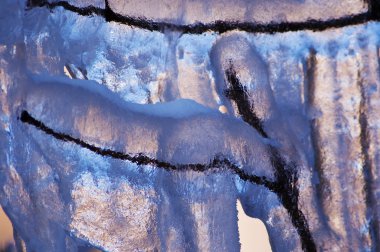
185 12
300 108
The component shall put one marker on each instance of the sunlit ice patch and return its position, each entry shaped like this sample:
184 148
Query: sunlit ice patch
182 12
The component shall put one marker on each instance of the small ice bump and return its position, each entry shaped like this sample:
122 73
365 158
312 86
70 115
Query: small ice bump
223 109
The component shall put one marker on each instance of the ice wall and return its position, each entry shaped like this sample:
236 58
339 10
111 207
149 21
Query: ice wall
126 139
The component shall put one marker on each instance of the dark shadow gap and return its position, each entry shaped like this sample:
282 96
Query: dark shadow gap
237 93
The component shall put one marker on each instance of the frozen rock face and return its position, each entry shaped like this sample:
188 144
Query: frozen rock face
133 138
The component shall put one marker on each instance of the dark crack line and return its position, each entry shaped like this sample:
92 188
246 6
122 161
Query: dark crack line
315 137
218 26
286 174
238 93
367 168
141 159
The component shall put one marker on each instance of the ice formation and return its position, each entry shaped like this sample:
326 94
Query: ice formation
128 126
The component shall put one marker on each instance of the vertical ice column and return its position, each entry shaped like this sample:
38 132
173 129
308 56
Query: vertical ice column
369 82
336 109
197 212
243 79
